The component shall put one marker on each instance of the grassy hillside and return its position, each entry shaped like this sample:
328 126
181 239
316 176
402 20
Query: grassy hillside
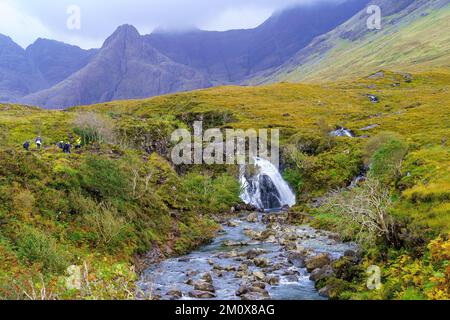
417 42
119 196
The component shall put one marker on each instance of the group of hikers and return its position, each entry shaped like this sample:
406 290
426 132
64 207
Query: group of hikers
64 146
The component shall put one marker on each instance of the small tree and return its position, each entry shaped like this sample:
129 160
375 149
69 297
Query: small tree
366 209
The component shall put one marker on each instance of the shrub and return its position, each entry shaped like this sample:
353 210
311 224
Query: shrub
36 246
93 127
103 178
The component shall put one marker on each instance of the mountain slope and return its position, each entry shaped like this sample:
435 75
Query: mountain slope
125 67
17 75
231 56
415 35
56 60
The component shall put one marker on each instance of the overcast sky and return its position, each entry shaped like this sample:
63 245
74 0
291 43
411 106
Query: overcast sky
27 20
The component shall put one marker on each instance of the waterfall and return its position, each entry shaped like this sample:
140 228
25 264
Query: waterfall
265 189
342 132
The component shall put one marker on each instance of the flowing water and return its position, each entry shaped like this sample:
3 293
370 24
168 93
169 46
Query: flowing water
224 257
259 252
266 188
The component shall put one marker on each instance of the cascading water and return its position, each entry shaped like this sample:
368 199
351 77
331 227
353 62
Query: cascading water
266 189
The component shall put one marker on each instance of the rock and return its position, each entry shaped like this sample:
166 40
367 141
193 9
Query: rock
230 243
318 261
230 268
189 282
204 286
271 239
243 289
243 268
252 217
211 262
232 224
273 280
191 273
184 260
378 75
259 275
261 262
201 294
325 292
297 258
207 277
260 291
253 253
373 98
321 273
175 293
259 284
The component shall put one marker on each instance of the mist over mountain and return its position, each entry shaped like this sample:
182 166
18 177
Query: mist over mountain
316 41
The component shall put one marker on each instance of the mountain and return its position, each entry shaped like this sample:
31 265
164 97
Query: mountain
130 66
42 65
18 77
415 35
56 61
231 56
125 67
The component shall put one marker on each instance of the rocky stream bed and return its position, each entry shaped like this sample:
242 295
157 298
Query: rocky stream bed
254 257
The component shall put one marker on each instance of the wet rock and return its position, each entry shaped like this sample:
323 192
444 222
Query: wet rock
259 284
261 262
204 286
201 294
318 261
189 282
297 258
243 268
207 277
321 273
260 291
230 268
191 273
230 243
175 294
184 260
259 275
273 280
252 217
243 289
232 224
254 253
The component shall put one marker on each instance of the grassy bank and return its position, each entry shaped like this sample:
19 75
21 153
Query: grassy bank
119 196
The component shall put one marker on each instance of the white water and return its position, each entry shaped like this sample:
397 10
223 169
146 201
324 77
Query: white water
341 133
253 189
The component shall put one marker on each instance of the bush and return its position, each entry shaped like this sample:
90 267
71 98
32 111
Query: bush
34 246
103 178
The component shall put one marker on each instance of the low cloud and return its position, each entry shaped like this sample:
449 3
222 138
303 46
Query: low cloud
26 20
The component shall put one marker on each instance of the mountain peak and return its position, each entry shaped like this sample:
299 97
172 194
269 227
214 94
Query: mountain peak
123 33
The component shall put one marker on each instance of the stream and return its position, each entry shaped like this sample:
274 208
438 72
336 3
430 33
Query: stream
256 256
270 268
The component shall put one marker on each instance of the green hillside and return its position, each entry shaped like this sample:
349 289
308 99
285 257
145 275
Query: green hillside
105 206
416 42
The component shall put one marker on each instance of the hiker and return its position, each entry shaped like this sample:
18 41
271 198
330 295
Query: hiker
60 145
78 143
66 148
26 145
38 142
